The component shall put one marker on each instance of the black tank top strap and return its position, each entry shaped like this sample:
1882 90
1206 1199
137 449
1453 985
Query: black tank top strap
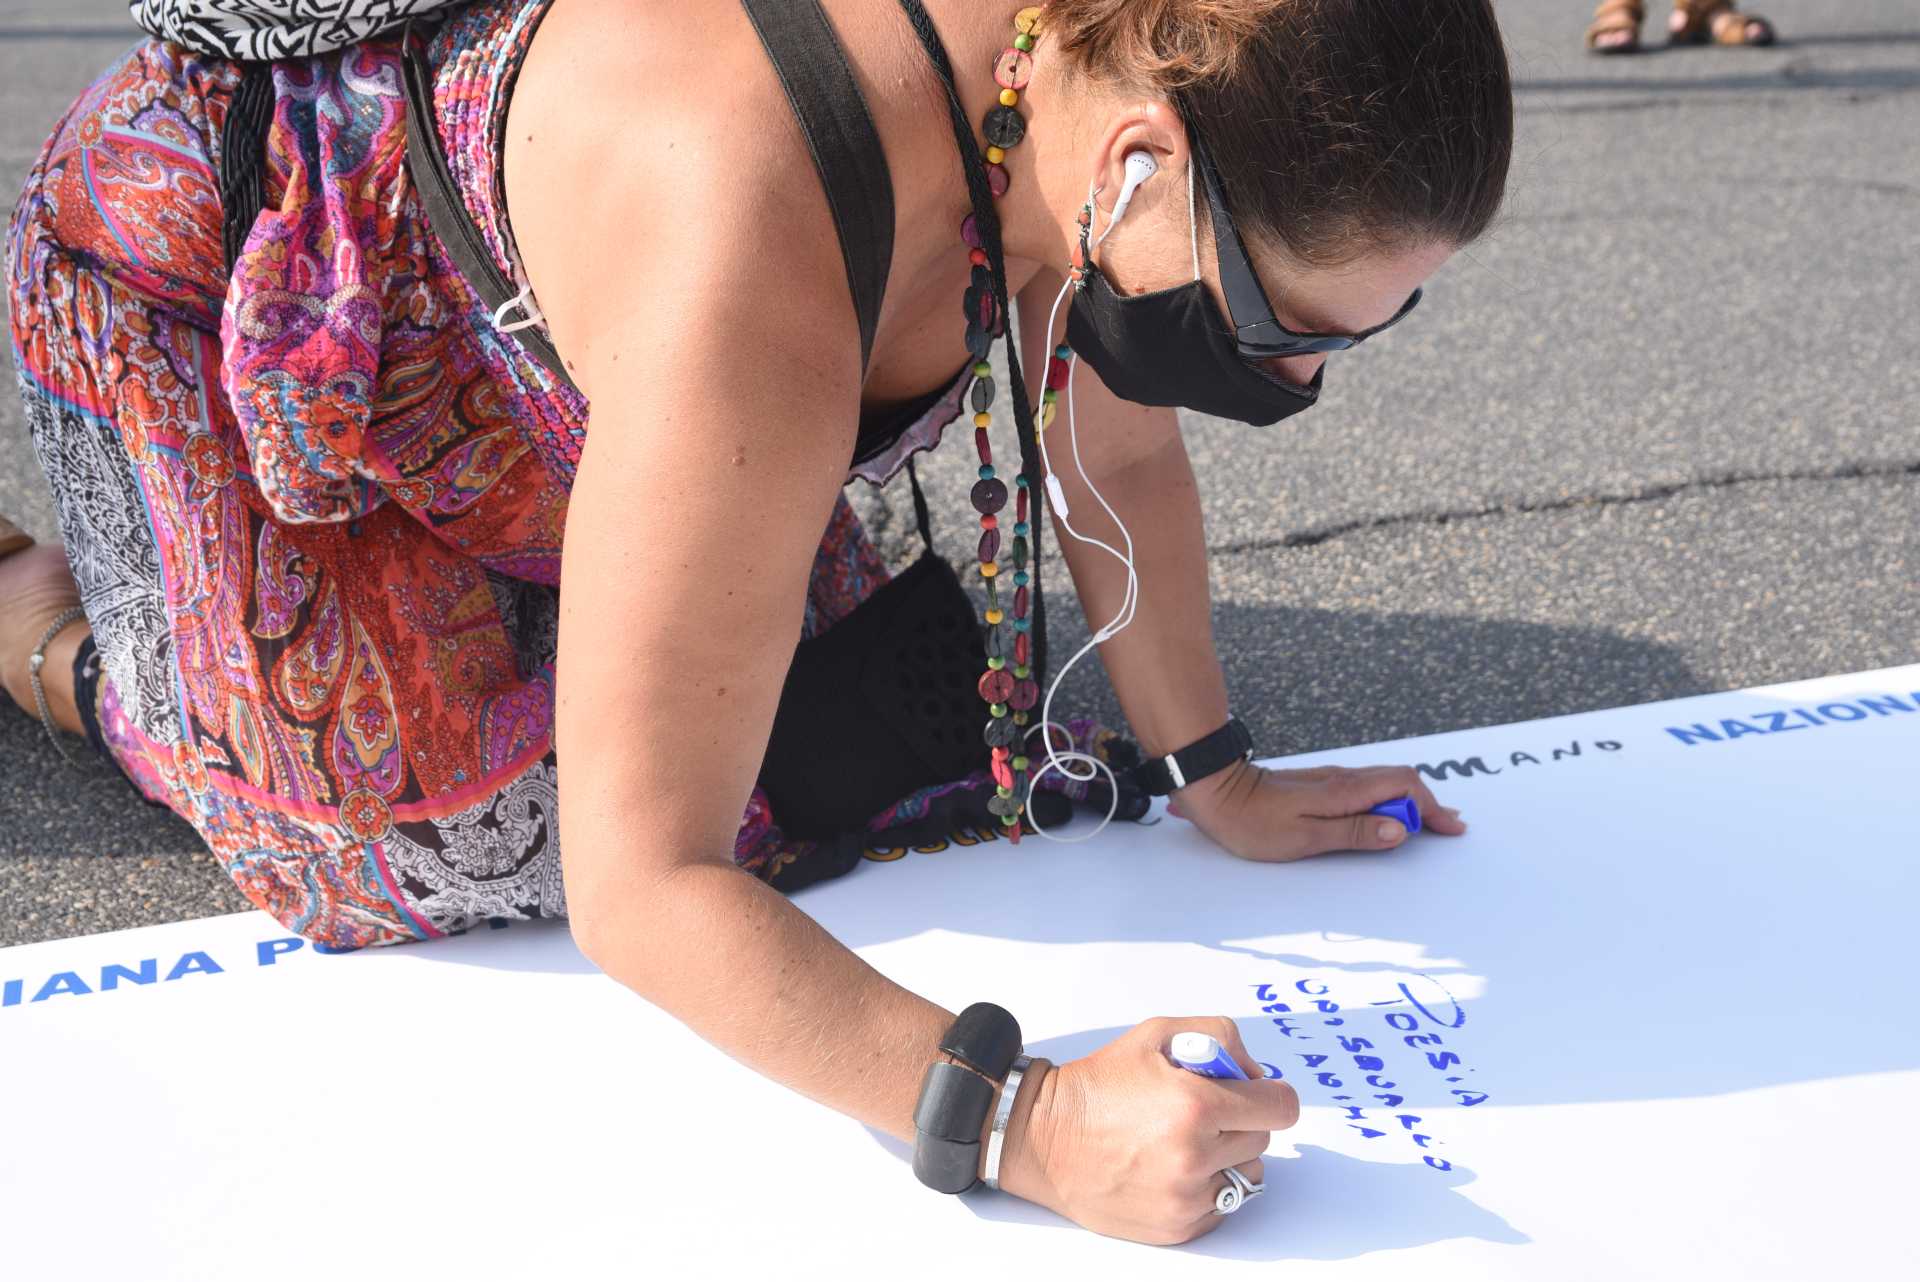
833 116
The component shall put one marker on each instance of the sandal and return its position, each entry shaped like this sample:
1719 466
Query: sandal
1618 23
1696 22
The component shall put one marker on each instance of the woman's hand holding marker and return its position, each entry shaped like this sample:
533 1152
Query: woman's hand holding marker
1275 816
1130 1145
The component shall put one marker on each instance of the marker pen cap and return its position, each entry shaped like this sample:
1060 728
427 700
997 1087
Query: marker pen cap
1401 808
1199 1053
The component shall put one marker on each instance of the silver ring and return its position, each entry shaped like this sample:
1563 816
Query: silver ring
1239 1191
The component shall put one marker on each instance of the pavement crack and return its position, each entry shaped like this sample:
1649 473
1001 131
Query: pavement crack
1522 507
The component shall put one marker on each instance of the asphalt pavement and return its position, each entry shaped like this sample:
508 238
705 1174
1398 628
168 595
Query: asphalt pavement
1657 435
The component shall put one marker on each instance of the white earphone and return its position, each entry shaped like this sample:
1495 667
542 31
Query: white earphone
1140 166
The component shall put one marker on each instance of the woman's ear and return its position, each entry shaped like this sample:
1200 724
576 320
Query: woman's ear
1148 126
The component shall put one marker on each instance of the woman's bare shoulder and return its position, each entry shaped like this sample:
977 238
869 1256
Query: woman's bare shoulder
653 141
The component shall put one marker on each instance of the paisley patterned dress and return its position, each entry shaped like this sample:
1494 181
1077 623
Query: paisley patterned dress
314 499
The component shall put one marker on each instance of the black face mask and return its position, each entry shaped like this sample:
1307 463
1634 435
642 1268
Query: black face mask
1172 347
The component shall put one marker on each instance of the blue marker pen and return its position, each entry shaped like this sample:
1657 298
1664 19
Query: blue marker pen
1401 808
1199 1053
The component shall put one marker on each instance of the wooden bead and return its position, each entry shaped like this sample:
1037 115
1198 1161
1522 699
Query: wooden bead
1004 127
1009 98
995 155
988 570
989 545
1025 693
980 308
970 232
983 393
978 257
994 616
1027 21
1058 371
1012 69
989 496
998 180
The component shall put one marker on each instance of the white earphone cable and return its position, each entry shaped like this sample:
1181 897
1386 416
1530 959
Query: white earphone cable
1057 758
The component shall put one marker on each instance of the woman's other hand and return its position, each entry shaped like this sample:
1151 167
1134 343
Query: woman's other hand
1126 1144
1275 816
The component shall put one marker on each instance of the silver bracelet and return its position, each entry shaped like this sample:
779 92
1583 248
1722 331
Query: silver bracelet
66 619
1002 1114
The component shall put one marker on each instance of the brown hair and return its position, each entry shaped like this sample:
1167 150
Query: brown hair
1339 126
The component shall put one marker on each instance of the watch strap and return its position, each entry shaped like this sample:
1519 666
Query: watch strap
1159 776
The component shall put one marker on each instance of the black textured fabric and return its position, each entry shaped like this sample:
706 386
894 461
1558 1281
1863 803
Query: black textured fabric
880 705
833 115
243 157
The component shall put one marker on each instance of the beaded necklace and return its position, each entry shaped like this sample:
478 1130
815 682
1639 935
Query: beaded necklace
1010 692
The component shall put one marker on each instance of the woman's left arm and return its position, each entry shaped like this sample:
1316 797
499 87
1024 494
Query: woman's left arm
1164 667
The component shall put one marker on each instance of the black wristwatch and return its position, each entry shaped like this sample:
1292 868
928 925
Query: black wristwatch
1162 775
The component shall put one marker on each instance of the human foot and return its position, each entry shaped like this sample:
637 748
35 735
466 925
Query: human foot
1698 21
35 588
1616 27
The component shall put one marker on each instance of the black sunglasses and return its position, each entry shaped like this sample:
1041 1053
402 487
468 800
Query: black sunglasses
1257 334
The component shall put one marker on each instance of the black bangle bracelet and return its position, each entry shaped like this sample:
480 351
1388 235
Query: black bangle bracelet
949 1118
954 1102
985 1038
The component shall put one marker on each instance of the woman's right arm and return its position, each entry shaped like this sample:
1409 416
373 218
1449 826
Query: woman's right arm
723 366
